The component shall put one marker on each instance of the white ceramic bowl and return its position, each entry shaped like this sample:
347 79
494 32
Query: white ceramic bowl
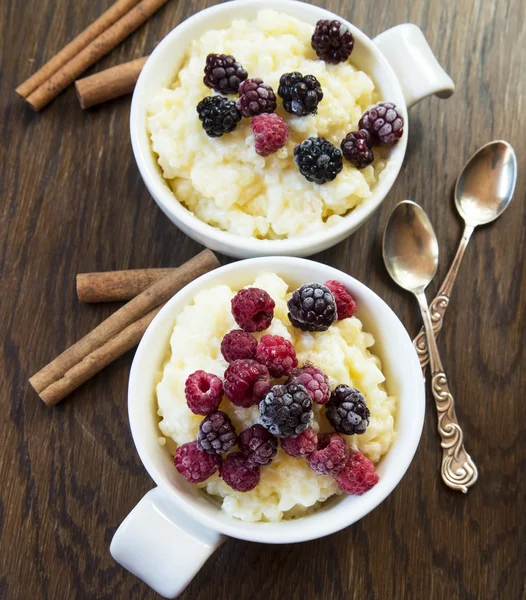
399 61
176 520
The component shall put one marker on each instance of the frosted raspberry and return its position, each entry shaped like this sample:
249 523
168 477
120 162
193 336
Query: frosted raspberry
314 381
270 133
253 309
345 304
246 382
258 446
302 445
194 464
358 476
238 473
331 455
204 392
238 344
277 354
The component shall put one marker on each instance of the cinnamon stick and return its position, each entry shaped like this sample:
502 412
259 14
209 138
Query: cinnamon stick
93 52
116 286
107 19
74 366
109 84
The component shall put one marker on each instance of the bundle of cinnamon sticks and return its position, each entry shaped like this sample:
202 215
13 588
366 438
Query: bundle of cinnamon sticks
148 290
104 34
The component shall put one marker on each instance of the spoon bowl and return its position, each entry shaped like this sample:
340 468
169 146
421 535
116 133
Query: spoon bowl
486 184
410 247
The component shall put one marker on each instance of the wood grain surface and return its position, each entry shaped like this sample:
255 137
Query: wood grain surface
72 201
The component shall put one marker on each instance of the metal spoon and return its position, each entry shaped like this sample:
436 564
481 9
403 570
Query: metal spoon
483 192
410 250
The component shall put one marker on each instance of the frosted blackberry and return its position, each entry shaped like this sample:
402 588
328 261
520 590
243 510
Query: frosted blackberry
218 115
312 307
355 148
384 123
255 98
318 160
216 434
223 73
332 41
347 411
301 94
286 410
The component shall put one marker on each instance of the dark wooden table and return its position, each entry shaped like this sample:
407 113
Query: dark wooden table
72 201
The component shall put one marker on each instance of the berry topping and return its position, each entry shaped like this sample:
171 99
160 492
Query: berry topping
194 464
253 309
384 123
218 114
204 392
255 97
246 382
346 410
314 381
258 446
312 307
302 445
277 354
318 160
238 344
270 133
216 434
358 476
331 456
355 148
223 73
332 41
286 410
301 95
238 473
345 304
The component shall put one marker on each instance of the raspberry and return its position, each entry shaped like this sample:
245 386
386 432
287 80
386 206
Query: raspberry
204 392
302 445
277 354
246 382
218 114
238 473
314 381
286 410
258 446
312 307
223 73
384 123
355 148
238 344
358 476
301 95
194 464
332 41
253 309
331 455
345 304
216 434
270 133
346 411
318 160
255 97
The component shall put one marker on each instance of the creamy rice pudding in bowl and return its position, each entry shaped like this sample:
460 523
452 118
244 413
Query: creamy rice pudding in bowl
282 496
221 190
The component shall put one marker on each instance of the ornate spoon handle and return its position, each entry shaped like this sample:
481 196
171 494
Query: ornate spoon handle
458 469
440 303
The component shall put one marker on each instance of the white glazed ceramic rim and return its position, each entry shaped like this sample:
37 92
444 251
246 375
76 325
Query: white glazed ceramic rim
400 364
214 237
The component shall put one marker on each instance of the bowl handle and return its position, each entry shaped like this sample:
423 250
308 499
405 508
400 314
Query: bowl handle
418 71
162 546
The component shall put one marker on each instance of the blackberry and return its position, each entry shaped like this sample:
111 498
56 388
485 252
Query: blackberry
301 95
216 434
332 41
286 410
318 160
223 73
355 148
384 123
346 410
255 97
312 307
218 114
